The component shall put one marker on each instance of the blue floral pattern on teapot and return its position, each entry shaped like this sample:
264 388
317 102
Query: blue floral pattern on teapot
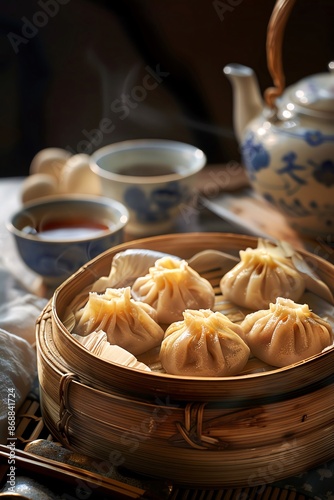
256 157
291 173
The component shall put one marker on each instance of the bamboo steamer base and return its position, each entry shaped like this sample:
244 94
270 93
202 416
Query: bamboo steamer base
239 431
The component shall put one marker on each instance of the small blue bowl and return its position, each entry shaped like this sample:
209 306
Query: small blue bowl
55 236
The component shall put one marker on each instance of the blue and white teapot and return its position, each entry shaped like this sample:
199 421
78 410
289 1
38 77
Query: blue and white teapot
287 142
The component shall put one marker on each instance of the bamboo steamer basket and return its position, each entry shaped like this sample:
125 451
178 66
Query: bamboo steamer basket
245 430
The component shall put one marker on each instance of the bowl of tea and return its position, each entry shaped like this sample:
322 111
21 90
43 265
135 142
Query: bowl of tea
153 178
55 236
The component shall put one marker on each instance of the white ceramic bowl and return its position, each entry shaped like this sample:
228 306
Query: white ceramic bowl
153 178
55 236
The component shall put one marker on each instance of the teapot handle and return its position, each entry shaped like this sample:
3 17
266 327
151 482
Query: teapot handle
275 33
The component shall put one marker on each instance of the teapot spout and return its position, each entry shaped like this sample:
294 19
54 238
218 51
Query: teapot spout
248 102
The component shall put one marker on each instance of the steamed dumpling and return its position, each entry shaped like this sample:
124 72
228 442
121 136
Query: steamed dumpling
127 323
171 286
97 343
204 344
126 267
286 333
263 274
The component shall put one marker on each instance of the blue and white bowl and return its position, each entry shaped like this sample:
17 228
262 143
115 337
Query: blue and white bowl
153 178
55 236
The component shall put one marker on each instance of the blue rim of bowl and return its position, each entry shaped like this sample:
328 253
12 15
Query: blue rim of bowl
49 200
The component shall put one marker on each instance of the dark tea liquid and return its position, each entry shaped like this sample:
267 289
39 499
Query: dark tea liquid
70 229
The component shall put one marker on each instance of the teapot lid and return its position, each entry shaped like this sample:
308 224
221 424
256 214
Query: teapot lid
316 93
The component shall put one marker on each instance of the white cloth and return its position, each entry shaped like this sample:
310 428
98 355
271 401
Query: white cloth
18 370
19 310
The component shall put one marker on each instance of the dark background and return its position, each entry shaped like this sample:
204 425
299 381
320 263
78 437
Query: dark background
66 65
